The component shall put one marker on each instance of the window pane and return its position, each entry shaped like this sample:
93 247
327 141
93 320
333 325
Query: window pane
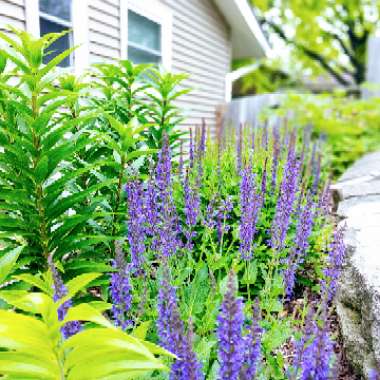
57 46
57 8
143 31
140 56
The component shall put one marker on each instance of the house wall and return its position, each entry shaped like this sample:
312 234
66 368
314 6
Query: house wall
12 12
104 30
201 46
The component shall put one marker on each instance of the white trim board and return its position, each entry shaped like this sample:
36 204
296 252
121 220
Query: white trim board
155 11
79 21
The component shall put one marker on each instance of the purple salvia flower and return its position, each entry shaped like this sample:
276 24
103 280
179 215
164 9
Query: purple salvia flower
180 163
188 367
191 202
70 328
301 244
264 181
202 141
285 203
135 224
167 228
239 147
217 212
151 209
373 374
229 332
252 342
164 167
316 174
171 333
335 262
191 209
276 157
191 149
324 200
249 208
209 221
222 214
313 356
120 289
301 196
305 143
167 309
301 354
324 350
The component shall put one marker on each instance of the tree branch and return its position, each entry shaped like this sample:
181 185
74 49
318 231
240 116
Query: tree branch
310 53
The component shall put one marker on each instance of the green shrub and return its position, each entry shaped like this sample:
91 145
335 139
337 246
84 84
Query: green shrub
69 144
32 346
351 125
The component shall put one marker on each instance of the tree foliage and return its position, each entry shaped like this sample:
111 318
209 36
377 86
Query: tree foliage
328 36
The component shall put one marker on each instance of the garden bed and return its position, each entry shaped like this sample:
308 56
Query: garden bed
152 263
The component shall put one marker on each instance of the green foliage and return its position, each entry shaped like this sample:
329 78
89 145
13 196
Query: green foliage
164 113
327 36
200 274
32 346
269 76
68 146
8 262
352 126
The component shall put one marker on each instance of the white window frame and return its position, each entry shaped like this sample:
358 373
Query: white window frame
155 11
78 24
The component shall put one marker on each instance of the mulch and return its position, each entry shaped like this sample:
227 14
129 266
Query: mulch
344 370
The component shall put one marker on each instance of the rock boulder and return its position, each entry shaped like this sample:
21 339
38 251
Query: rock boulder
358 300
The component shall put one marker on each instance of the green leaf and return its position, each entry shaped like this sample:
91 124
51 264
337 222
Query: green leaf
54 62
36 281
77 284
250 274
41 169
36 303
85 312
7 262
141 330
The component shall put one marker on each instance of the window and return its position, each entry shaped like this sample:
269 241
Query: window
147 32
55 17
144 39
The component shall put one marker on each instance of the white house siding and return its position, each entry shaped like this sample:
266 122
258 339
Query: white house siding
104 30
12 12
202 49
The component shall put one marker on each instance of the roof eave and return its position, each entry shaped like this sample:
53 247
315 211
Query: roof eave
248 40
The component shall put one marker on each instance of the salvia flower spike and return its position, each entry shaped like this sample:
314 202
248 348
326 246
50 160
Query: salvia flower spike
252 341
60 291
249 207
171 332
285 204
120 289
230 325
136 231
301 244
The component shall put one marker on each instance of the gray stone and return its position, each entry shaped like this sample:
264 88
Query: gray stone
358 298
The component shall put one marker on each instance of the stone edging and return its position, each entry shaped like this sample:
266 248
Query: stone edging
357 195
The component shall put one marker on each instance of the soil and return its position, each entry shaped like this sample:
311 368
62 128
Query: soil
343 369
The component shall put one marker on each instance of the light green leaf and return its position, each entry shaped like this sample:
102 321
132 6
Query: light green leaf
7 263
78 283
85 312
